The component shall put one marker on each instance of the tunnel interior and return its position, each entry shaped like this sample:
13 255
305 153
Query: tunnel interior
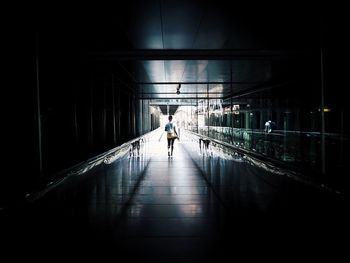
83 83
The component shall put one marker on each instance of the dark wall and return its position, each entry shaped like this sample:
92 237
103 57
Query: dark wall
61 106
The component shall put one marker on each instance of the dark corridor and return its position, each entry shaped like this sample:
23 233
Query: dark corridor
86 85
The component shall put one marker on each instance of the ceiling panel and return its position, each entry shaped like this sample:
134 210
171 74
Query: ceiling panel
181 22
175 70
245 75
208 25
144 25
155 70
218 71
196 70
251 70
214 28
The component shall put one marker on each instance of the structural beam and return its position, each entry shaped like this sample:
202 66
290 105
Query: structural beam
195 54
198 82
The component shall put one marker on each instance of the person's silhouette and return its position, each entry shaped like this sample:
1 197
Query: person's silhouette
171 135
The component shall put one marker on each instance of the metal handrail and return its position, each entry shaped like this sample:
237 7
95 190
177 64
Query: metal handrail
290 171
81 168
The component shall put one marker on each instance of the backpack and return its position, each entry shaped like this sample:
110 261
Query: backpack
169 127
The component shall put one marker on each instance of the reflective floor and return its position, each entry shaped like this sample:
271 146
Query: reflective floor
192 207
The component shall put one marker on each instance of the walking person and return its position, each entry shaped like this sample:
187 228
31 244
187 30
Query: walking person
171 135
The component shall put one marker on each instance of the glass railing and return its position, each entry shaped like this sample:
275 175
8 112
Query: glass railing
295 149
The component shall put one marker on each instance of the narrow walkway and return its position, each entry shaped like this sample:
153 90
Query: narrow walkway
173 213
191 207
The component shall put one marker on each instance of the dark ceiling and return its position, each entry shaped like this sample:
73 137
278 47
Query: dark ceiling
209 47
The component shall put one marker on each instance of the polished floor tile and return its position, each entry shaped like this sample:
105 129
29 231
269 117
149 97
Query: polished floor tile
190 207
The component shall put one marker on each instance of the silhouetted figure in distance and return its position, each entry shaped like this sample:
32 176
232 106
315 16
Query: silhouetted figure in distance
171 135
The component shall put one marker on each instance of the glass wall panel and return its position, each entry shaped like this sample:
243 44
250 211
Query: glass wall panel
292 138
